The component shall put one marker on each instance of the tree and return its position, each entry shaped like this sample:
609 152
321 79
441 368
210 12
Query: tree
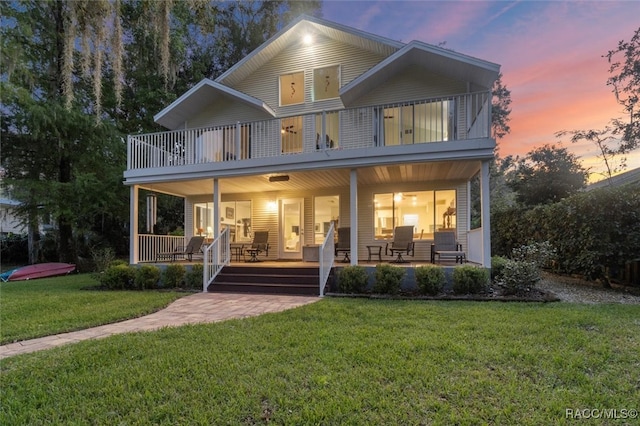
500 109
77 75
620 136
546 175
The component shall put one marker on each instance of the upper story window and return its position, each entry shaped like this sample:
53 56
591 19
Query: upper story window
326 83
292 88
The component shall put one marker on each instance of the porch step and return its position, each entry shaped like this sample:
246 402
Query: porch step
267 279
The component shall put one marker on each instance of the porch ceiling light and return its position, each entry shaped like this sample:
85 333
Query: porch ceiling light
279 178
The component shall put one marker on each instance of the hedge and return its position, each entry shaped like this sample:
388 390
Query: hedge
594 233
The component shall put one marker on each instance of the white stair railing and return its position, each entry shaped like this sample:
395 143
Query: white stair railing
216 256
326 258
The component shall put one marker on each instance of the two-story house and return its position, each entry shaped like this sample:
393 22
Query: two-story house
324 126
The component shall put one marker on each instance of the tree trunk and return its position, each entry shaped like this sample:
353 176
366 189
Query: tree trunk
33 239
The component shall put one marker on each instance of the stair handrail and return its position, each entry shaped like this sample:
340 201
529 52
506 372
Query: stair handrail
216 256
326 258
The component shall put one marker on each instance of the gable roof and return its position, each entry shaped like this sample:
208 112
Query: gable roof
206 91
627 178
441 61
294 32
398 56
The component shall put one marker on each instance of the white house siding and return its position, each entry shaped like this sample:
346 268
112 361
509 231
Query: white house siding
264 84
412 84
224 111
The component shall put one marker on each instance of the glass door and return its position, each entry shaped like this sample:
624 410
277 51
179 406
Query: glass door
291 231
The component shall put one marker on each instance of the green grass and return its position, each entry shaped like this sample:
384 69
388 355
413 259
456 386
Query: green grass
343 361
37 308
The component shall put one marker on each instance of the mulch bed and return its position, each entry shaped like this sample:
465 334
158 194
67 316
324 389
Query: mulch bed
533 295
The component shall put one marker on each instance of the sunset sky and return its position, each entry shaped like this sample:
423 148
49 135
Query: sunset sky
550 54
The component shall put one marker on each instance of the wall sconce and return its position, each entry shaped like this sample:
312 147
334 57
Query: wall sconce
272 206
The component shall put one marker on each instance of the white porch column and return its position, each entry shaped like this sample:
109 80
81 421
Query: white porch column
133 224
353 208
485 212
216 208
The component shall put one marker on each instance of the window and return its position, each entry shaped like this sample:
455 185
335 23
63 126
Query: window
331 130
419 123
326 83
292 88
326 209
235 215
291 135
426 211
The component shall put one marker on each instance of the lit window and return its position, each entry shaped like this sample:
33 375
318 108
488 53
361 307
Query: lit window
235 215
326 83
292 88
426 211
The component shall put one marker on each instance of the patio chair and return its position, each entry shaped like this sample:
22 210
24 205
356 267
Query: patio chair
445 245
260 244
193 247
344 244
402 244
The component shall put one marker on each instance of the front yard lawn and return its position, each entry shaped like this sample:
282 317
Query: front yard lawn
37 308
344 361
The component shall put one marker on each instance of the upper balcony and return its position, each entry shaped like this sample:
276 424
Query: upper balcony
452 118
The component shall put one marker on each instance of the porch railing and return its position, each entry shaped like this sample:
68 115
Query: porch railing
216 256
326 258
150 245
456 117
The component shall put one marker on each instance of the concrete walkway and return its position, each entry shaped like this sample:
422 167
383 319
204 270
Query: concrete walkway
197 308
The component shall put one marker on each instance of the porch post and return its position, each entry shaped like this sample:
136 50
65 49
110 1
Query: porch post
353 209
133 224
486 216
216 208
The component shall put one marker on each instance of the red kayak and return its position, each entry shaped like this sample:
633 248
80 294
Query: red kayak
41 270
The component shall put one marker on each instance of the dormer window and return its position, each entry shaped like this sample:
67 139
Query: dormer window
292 88
326 83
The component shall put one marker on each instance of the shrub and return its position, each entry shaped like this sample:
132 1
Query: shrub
594 233
519 276
352 279
469 280
147 276
118 262
173 275
193 278
497 265
14 249
388 279
119 277
542 254
430 279
103 258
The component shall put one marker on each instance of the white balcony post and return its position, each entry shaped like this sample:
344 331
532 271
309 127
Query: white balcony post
486 217
133 225
237 142
323 136
353 208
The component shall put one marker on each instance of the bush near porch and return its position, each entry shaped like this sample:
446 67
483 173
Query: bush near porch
594 233
430 280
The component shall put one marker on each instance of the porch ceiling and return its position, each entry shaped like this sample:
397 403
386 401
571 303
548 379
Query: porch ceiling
319 179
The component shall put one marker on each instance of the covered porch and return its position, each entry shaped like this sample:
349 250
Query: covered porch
293 209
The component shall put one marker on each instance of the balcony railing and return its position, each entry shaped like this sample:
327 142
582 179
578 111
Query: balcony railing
458 117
